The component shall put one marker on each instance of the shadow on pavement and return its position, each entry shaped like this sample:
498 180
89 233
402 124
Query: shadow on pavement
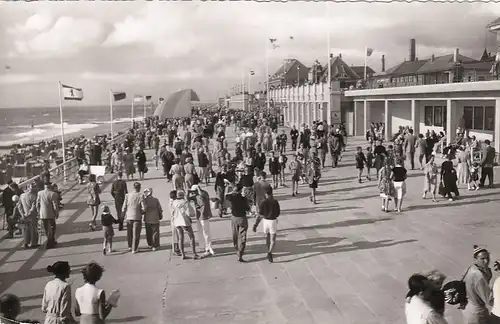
126 319
312 209
303 249
346 223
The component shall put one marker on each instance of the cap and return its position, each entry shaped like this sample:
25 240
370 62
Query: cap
195 187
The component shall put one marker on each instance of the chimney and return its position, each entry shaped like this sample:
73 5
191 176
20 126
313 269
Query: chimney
455 55
412 50
432 58
340 55
383 63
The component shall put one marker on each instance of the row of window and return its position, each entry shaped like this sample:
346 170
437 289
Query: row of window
476 117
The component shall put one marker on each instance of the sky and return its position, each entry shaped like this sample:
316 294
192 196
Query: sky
156 48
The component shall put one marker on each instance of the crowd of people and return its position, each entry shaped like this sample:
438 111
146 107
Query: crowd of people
195 154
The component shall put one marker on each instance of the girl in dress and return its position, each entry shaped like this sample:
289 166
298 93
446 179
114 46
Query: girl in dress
473 177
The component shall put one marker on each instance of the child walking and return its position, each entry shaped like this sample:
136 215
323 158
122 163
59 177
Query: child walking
369 161
282 160
107 221
473 177
360 162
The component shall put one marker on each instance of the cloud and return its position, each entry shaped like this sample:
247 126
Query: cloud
18 78
143 78
35 23
66 37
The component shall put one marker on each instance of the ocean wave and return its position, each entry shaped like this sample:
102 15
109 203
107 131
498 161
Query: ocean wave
120 120
47 131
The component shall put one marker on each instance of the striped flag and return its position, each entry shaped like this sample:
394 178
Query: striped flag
71 93
369 51
138 98
117 96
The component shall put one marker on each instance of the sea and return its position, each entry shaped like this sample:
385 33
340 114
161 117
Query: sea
32 125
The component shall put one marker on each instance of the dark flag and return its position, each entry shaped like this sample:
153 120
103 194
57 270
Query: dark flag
117 96
148 98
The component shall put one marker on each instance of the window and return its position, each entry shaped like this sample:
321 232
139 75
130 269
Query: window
438 116
489 118
478 118
429 115
481 78
468 115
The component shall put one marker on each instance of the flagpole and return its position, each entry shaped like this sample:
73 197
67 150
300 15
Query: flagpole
144 104
111 111
267 76
249 82
329 74
132 115
62 131
366 58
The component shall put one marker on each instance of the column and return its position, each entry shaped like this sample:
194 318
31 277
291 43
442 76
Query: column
415 116
367 116
388 120
358 118
303 113
309 113
297 114
315 110
451 120
496 134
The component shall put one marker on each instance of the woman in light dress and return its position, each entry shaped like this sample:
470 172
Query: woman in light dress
190 172
56 301
129 164
463 166
91 303
177 172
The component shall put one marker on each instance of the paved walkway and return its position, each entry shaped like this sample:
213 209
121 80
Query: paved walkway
341 261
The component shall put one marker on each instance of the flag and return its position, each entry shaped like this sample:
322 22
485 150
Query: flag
275 46
369 51
117 96
148 98
138 98
291 37
252 72
71 93
272 40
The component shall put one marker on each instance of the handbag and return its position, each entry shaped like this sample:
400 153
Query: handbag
455 292
442 190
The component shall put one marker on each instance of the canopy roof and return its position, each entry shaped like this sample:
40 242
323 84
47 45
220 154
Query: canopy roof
177 104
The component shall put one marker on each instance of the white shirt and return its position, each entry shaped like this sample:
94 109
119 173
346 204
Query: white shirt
496 297
87 297
419 312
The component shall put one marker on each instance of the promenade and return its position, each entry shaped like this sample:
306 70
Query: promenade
340 261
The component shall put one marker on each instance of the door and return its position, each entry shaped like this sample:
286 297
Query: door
350 123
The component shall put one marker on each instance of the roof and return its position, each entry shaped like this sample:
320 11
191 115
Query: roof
177 104
360 71
339 70
485 65
406 67
443 63
494 23
287 65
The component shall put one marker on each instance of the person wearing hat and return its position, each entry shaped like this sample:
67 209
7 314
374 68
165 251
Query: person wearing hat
56 301
118 192
153 214
29 215
477 280
133 216
47 205
203 215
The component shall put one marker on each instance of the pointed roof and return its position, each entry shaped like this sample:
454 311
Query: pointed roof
485 57
360 71
406 67
178 104
287 65
339 70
